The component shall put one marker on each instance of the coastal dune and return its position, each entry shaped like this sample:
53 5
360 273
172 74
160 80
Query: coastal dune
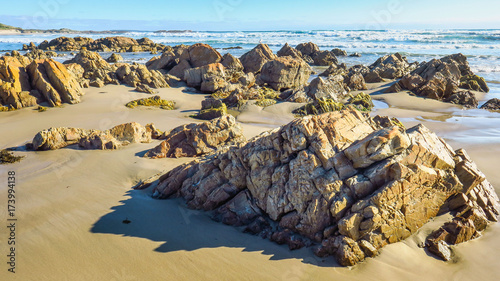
72 205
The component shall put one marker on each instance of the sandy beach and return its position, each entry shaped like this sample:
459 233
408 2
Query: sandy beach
10 32
71 204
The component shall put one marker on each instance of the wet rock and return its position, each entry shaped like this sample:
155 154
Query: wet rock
287 50
466 98
198 139
339 53
115 58
285 73
492 104
307 49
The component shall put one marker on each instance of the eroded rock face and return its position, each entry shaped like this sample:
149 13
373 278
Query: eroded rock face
492 104
440 79
256 58
197 139
95 67
390 67
121 135
107 44
342 181
27 83
285 73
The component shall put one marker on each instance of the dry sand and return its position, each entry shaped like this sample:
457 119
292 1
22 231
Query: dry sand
10 32
71 205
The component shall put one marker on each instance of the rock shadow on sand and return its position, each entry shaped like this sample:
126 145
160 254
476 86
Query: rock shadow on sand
183 229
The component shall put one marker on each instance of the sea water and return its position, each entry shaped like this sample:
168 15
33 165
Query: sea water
482 47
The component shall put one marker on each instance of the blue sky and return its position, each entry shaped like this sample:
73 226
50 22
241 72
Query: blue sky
251 14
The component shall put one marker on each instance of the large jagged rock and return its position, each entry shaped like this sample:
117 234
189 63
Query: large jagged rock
441 78
202 54
285 73
254 60
307 49
138 74
121 135
198 139
15 85
392 66
232 63
208 78
55 82
342 181
492 104
287 50
95 67
332 87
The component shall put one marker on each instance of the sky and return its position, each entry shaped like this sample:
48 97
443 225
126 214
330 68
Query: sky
242 15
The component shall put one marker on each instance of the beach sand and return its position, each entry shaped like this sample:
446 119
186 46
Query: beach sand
10 32
71 204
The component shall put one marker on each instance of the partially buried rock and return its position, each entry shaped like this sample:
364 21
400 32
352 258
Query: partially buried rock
343 181
211 109
121 135
464 98
145 89
492 104
198 139
155 101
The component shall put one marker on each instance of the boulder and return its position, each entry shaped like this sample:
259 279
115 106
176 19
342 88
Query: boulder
339 53
343 182
287 50
307 49
392 66
202 54
440 78
254 60
232 63
95 67
54 82
198 139
285 73
115 58
195 77
465 98
324 58
492 104
121 135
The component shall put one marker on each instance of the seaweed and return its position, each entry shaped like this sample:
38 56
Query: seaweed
7 157
362 101
319 106
265 102
474 82
155 101
42 108
211 113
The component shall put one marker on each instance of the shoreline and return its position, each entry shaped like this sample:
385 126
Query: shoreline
78 223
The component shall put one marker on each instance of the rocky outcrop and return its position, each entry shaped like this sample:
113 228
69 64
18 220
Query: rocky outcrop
342 182
254 60
232 63
114 58
193 140
138 75
492 104
27 83
440 78
392 66
208 78
121 135
285 73
211 109
287 50
311 53
107 44
465 98
95 67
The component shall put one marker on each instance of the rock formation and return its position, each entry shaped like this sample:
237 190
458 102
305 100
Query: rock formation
25 83
254 60
108 44
492 104
441 78
392 66
121 135
285 73
342 182
198 139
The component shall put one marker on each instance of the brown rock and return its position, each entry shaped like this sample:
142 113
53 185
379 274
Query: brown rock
256 58
198 139
285 73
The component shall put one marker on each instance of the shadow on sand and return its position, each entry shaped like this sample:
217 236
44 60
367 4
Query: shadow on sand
183 229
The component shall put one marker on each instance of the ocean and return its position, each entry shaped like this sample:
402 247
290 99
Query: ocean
482 47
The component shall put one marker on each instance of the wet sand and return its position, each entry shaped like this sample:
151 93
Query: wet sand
71 203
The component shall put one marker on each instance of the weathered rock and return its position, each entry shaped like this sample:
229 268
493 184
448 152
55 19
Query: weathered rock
54 82
307 49
198 139
339 53
440 79
107 44
390 67
115 58
466 98
14 80
137 74
324 58
196 77
145 89
254 60
232 63
95 67
343 180
202 54
285 73
121 135
492 104
287 50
